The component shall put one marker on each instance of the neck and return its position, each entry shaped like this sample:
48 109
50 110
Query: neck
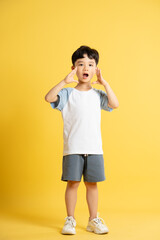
83 86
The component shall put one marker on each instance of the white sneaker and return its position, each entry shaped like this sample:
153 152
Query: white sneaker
69 226
97 225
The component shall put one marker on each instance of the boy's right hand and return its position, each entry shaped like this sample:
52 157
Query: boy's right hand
69 78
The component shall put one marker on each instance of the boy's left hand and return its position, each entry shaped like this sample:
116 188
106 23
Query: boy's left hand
100 79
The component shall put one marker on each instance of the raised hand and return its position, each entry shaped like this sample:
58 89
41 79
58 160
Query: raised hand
100 79
69 78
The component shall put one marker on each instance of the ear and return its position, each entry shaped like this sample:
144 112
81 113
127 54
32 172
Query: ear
72 67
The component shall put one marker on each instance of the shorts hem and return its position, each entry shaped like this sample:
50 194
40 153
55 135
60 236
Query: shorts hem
94 180
66 180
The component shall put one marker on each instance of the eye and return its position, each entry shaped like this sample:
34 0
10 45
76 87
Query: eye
80 64
91 64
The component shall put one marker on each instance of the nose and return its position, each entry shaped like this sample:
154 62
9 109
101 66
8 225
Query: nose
85 67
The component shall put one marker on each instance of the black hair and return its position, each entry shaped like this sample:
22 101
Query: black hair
91 53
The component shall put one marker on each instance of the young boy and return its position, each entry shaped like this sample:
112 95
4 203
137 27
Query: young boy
82 145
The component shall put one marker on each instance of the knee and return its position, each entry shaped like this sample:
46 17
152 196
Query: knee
91 185
73 184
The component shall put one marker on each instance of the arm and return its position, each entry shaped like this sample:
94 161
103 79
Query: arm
112 100
51 96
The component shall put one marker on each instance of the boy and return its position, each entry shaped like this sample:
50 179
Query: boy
82 148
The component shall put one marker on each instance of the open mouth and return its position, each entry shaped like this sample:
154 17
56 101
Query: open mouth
85 75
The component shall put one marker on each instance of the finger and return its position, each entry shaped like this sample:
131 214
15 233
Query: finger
73 72
75 69
97 72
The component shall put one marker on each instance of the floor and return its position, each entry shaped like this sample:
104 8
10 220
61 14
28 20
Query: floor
122 225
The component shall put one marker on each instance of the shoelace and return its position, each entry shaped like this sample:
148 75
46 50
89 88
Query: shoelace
99 220
70 220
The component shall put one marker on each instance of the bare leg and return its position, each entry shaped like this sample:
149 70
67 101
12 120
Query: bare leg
92 198
71 197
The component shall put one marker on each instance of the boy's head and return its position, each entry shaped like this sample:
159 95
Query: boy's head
86 60
79 53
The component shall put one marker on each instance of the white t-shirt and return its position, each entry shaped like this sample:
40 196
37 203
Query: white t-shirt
81 113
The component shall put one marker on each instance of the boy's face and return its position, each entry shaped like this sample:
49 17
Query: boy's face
85 65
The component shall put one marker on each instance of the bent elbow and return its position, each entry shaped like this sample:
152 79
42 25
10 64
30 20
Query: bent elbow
117 105
46 99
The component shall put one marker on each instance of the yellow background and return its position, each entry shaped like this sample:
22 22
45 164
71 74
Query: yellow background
36 44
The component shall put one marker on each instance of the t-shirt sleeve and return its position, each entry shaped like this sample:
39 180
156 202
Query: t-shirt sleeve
62 99
104 101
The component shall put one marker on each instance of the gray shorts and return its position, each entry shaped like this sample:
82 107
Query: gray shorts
91 166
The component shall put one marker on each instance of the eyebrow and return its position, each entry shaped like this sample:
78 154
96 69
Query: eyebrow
82 61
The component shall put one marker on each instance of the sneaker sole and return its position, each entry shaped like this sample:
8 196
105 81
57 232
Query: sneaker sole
91 230
68 233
